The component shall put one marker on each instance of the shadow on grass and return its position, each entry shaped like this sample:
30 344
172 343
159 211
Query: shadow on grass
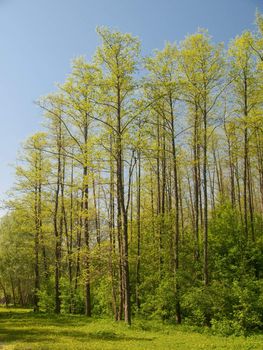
43 318
107 335
9 335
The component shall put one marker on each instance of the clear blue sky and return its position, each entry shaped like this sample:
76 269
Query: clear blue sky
38 39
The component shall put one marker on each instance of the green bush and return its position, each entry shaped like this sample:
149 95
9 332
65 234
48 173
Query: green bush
46 301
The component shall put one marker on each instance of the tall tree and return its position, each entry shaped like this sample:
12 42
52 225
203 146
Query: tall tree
118 58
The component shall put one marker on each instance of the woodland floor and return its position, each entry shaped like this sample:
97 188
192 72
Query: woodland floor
24 330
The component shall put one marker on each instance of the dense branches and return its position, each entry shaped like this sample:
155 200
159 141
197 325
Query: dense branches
144 194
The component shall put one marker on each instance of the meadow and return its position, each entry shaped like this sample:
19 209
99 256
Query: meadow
21 329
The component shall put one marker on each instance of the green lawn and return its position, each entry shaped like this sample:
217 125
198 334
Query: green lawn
21 329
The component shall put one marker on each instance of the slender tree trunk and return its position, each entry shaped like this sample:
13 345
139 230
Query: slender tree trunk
112 256
250 202
85 213
206 279
159 222
36 248
245 179
196 183
138 220
80 225
177 229
121 200
97 224
13 291
20 293
70 239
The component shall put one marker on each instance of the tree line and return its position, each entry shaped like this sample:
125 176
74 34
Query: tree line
143 193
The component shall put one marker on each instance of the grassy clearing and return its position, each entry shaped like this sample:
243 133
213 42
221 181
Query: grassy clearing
23 330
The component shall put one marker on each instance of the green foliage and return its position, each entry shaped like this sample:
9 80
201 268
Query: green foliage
102 297
140 186
46 300
161 303
248 311
197 303
78 302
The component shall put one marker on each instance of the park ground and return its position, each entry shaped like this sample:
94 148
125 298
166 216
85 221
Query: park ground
24 330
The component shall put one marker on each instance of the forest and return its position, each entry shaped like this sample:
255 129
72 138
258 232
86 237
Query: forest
142 194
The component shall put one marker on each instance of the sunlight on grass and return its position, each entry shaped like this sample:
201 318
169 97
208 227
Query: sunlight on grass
23 330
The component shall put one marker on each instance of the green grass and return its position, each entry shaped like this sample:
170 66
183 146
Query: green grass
23 330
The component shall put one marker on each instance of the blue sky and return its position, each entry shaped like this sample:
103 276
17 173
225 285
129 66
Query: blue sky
38 39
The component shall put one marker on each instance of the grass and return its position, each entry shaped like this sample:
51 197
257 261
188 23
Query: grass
24 330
